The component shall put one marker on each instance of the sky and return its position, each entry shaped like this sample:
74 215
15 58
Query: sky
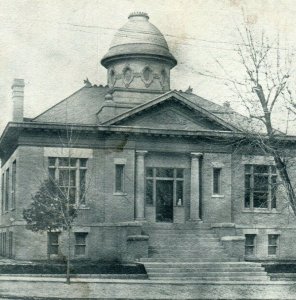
55 44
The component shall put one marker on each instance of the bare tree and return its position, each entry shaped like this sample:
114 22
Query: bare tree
263 85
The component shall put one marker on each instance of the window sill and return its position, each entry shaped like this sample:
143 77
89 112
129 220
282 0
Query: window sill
263 211
217 196
119 194
83 207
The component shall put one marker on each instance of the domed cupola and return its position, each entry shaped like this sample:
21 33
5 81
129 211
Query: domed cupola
139 57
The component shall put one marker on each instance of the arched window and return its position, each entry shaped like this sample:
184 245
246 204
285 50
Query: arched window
163 77
147 75
127 75
112 77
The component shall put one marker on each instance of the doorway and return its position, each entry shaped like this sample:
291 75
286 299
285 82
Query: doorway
164 200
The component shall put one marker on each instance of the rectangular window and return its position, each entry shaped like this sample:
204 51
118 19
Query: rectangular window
80 243
13 184
119 178
260 186
70 173
250 244
2 192
53 243
7 190
217 181
10 244
4 243
273 240
1 250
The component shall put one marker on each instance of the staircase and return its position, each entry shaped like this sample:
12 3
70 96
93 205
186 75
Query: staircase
193 252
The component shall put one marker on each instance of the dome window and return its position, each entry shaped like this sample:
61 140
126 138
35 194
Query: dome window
112 78
163 77
147 76
127 76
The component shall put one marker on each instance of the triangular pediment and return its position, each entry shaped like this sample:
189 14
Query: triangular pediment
173 112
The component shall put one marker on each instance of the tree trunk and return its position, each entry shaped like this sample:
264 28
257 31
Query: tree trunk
68 256
281 167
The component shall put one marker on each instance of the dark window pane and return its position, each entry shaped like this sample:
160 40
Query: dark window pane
247 191
83 162
247 199
51 173
272 239
261 168
249 250
80 250
273 191
260 183
250 239
149 192
7 190
53 249
51 161
80 238
54 238
216 181
179 191
248 169
64 162
73 162
65 180
82 186
72 195
180 173
119 178
272 250
149 172
260 200
273 169
164 172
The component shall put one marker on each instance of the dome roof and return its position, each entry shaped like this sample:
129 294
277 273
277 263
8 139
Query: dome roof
138 37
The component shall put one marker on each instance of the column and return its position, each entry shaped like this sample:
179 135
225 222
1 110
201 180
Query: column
195 187
140 185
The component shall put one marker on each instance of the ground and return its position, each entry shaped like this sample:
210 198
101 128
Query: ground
55 288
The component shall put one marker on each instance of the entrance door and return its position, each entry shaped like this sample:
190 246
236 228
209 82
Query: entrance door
164 200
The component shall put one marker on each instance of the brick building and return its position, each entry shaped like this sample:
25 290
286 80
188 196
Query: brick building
150 165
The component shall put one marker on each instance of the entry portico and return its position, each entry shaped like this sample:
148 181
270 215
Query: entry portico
168 187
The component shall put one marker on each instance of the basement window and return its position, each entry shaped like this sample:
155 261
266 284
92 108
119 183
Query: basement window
250 244
80 243
273 240
53 243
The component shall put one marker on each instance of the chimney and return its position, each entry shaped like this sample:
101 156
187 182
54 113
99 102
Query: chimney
18 100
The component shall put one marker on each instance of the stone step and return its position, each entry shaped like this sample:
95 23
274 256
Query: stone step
206 278
177 252
188 259
200 269
183 257
283 276
212 264
181 232
207 274
180 247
